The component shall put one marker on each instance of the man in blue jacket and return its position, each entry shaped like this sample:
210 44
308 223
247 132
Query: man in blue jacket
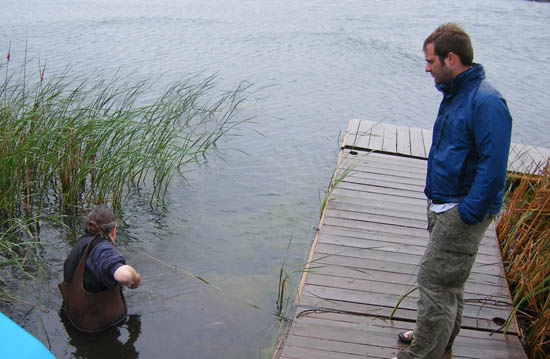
464 186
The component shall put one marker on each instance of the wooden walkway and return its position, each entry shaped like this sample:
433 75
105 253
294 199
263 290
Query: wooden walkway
366 252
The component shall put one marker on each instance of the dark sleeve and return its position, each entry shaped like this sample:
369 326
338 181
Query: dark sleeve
103 262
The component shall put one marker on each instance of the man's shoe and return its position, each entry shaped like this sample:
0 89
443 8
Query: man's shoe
406 337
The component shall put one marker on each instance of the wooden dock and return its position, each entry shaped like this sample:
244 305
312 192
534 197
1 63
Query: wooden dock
365 257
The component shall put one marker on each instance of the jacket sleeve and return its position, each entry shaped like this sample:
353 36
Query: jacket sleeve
103 262
491 129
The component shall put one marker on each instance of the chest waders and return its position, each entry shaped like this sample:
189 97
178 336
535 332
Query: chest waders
91 312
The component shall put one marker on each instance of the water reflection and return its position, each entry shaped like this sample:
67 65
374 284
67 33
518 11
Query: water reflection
117 342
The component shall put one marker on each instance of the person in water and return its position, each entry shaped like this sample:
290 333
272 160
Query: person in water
93 274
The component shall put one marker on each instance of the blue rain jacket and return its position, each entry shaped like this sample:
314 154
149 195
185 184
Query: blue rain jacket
470 145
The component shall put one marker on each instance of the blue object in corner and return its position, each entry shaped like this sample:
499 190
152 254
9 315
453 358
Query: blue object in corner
17 343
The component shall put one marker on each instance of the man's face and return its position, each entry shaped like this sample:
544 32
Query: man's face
441 73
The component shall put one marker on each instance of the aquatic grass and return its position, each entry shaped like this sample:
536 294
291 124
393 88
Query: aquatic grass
93 148
283 306
19 248
286 279
5 297
67 144
400 299
338 176
283 278
523 231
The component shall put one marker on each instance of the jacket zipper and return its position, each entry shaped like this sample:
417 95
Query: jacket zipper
442 131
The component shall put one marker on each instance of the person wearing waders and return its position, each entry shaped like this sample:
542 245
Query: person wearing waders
93 274
464 185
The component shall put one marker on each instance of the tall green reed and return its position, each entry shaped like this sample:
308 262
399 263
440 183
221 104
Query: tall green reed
67 144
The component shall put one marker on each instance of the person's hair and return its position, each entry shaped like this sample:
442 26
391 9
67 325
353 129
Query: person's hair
100 221
450 37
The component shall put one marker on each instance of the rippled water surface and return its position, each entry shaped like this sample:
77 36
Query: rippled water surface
316 64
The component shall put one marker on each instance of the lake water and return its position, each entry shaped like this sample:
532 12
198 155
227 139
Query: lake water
318 64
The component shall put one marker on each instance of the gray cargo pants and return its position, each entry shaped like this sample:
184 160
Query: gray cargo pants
444 269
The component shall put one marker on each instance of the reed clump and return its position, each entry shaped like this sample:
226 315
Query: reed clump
524 235
68 144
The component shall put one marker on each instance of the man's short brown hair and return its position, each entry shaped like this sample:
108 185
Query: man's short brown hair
450 37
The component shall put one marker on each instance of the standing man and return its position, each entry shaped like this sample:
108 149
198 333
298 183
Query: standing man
464 185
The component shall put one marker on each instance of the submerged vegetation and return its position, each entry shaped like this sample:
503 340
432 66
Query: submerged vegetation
67 145
524 235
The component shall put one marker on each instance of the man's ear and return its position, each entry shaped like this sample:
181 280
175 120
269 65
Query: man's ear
449 59
452 59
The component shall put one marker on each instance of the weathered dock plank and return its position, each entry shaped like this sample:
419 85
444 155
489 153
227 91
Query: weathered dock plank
417 143
339 335
389 140
403 141
366 253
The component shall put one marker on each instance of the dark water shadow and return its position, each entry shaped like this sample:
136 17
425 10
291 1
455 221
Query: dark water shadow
116 342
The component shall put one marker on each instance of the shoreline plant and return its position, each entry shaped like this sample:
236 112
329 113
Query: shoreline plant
523 231
68 144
